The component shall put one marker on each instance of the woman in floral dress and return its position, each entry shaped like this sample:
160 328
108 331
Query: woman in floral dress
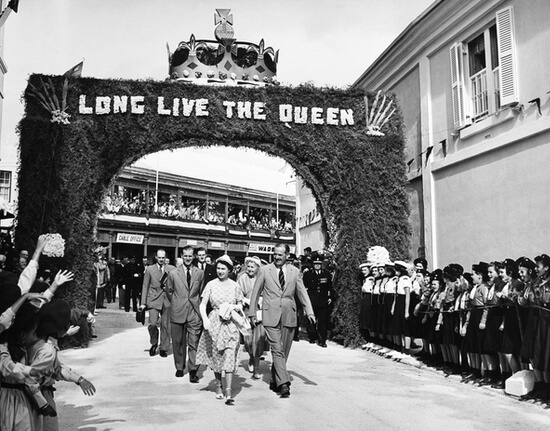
219 343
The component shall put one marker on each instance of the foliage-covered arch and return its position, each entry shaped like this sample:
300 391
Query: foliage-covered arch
68 162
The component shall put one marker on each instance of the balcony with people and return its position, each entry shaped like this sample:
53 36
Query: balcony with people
237 217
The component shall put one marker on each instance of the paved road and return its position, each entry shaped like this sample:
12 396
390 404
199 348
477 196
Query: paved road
332 389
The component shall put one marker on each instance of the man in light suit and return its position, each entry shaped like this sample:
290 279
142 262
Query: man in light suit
153 298
279 283
183 289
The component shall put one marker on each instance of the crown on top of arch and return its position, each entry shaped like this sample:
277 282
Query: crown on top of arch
224 60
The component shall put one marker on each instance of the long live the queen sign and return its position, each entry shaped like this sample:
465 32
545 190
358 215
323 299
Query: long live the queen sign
243 110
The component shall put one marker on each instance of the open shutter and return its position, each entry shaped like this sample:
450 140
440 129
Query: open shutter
506 55
457 81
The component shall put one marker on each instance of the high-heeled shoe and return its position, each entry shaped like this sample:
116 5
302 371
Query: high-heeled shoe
228 397
219 392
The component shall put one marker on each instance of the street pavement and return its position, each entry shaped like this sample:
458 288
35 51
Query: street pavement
332 389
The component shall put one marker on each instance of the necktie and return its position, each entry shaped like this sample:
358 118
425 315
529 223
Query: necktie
281 278
188 278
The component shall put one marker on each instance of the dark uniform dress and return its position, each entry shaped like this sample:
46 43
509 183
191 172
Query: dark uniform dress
400 323
448 322
375 306
511 336
541 358
437 298
473 341
366 304
492 337
319 289
415 326
530 297
447 317
461 303
385 317
389 305
383 307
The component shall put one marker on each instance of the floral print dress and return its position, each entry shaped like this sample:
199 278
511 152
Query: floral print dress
219 347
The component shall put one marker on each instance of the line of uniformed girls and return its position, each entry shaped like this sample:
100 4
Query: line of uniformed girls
388 300
485 325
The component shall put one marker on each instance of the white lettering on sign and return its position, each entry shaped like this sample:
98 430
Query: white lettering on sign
245 110
260 248
316 115
103 105
241 110
228 108
137 104
129 238
120 104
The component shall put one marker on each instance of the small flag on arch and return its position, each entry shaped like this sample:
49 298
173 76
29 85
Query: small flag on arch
75 71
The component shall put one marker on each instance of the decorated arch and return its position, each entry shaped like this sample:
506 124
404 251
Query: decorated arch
77 135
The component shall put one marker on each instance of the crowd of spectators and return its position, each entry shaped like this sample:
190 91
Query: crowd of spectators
181 208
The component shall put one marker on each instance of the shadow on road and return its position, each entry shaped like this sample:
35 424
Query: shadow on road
81 415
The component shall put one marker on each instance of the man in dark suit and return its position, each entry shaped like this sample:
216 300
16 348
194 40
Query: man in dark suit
140 270
111 288
278 284
153 297
318 283
183 289
134 279
209 269
120 274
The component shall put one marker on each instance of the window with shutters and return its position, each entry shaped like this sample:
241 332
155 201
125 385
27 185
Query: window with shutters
5 185
483 71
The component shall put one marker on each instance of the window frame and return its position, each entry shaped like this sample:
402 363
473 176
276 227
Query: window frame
9 184
500 81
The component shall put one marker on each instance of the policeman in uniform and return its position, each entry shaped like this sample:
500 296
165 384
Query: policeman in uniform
318 283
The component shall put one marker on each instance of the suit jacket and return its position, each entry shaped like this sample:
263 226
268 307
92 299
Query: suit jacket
209 272
152 293
119 273
132 277
279 305
319 287
140 269
100 274
184 299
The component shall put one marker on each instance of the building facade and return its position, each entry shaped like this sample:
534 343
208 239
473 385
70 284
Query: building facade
145 210
308 220
472 80
8 163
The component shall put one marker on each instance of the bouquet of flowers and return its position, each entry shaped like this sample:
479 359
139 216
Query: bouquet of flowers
378 255
55 245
